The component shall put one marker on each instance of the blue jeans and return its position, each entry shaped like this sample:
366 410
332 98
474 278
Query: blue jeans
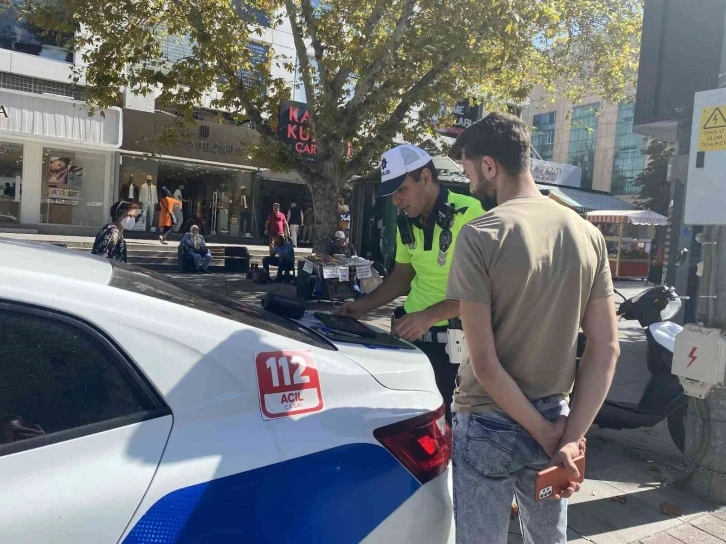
495 459
201 262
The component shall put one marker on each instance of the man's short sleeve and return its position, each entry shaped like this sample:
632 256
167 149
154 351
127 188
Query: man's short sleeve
602 286
403 253
468 276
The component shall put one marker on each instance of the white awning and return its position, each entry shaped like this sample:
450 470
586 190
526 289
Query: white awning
634 217
44 117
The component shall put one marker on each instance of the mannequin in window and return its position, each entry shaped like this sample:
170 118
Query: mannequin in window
130 191
148 199
245 220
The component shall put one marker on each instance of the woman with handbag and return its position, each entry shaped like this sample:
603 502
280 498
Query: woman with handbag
167 218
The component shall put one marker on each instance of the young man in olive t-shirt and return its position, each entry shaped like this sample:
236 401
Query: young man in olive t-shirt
527 276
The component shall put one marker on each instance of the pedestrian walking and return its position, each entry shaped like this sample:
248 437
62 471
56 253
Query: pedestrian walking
275 225
527 275
296 220
194 248
307 233
429 221
168 216
110 242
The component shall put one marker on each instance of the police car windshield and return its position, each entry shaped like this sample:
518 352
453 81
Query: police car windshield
156 286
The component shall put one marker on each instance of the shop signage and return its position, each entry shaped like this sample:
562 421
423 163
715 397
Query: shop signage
295 128
54 118
218 142
209 147
556 173
466 114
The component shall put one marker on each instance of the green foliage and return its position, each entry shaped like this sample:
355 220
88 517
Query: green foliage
655 189
373 70
374 63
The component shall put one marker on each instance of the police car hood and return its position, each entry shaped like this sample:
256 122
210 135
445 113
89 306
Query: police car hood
399 369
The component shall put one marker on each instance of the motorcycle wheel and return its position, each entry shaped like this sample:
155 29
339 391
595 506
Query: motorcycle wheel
677 428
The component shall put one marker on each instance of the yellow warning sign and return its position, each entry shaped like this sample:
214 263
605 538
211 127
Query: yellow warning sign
712 133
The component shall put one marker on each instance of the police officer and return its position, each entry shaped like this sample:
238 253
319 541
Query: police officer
429 220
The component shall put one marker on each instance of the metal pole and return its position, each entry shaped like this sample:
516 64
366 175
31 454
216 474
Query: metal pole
620 249
705 421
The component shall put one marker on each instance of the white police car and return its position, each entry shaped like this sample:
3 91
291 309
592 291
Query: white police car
134 411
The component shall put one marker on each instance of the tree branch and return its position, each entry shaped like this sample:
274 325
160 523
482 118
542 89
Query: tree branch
373 19
365 84
266 131
302 57
388 130
309 16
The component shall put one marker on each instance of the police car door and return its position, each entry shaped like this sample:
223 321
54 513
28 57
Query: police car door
81 433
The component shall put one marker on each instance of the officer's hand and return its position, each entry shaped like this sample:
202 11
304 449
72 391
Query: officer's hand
349 309
411 327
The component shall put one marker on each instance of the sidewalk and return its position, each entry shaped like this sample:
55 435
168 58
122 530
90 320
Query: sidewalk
131 242
629 495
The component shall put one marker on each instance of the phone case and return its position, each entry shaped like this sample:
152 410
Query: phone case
554 480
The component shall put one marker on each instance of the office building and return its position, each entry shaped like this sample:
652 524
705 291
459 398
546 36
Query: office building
594 135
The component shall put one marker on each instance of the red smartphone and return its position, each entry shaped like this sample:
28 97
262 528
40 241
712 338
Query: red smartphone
554 480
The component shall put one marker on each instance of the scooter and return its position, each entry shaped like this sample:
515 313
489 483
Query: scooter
663 396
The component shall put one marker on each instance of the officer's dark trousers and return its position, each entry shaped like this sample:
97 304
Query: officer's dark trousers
444 371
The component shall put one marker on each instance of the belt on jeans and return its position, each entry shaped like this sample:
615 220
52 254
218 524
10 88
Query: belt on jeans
436 335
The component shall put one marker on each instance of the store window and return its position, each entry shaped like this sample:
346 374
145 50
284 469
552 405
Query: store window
583 139
18 34
11 172
543 135
629 158
73 188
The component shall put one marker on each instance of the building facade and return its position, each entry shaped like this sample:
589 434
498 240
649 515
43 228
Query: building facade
61 169
594 135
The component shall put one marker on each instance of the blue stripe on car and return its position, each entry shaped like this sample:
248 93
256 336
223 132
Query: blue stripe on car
337 495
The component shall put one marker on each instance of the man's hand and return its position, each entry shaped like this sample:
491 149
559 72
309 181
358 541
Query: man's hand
551 437
349 309
566 456
412 326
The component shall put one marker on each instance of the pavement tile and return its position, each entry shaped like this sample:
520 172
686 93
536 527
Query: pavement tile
712 525
662 538
575 538
720 513
594 490
688 534
604 521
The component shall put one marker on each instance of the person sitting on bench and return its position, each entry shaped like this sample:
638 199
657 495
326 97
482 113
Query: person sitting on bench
194 248
284 259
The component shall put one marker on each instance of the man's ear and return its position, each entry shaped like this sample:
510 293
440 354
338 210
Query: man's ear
427 176
489 167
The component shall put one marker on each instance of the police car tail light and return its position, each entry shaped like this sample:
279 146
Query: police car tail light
422 444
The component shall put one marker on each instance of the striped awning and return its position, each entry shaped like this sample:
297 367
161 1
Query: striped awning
634 217
584 200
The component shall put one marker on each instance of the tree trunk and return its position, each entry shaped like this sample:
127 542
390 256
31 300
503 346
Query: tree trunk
325 201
